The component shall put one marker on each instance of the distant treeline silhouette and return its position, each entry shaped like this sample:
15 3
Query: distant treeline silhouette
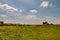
46 23
12 24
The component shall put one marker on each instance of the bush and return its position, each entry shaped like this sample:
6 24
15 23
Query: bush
45 23
51 24
1 22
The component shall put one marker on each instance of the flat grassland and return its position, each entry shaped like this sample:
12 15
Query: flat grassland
42 32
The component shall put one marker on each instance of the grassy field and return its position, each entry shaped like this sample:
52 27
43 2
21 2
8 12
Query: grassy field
43 32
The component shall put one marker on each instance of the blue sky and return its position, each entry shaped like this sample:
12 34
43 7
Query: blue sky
30 11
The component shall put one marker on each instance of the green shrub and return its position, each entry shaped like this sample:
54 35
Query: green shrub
45 23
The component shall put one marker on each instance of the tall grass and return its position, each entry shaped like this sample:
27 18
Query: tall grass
42 32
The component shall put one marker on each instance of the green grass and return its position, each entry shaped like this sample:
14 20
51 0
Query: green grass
44 32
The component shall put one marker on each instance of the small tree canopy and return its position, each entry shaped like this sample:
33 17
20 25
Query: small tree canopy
1 22
51 24
45 23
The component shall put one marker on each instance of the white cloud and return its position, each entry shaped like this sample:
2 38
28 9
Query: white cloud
48 17
44 4
30 17
2 15
7 7
20 10
33 11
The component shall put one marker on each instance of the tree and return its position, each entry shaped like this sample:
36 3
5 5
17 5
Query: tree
45 23
51 24
1 22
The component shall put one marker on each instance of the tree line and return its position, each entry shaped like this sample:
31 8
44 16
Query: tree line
11 24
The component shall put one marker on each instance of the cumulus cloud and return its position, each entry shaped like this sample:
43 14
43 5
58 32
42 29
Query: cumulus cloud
20 10
8 7
31 17
44 4
48 17
33 11
2 15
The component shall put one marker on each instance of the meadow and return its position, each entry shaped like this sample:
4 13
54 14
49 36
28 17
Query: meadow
33 32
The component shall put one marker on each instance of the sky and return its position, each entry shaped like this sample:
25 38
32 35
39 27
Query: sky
30 11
